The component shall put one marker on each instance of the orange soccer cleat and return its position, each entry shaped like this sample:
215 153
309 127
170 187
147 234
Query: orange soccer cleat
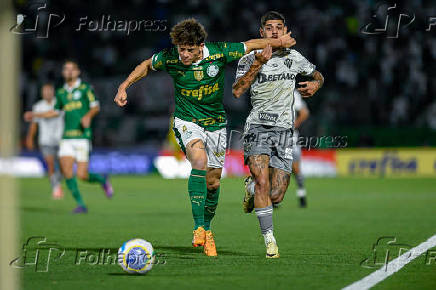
199 237
209 245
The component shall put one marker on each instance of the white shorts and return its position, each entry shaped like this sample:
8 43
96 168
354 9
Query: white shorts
76 148
215 142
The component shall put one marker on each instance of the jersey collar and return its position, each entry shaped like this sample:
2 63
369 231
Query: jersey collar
75 85
205 55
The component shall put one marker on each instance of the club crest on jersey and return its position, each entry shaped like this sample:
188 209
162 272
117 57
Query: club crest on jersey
198 73
77 95
288 63
212 70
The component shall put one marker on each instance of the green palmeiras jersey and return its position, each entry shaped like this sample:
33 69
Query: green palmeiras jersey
199 87
75 102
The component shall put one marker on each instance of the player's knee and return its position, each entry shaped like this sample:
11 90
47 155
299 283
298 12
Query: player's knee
277 196
82 175
199 163
262 182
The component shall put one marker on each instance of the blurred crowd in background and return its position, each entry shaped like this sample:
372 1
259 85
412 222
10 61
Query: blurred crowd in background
378 91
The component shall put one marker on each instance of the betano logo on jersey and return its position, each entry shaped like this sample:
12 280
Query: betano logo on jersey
201 91
276 77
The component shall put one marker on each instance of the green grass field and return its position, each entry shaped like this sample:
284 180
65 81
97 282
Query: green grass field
321 247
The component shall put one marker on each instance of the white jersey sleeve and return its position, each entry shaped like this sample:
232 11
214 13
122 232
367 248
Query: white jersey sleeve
244 65
304 66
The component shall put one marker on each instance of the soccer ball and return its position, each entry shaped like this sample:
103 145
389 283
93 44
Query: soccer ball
136 256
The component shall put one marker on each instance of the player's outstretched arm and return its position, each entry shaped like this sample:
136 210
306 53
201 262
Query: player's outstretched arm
29 115
284 41
311 87
138 73
243 83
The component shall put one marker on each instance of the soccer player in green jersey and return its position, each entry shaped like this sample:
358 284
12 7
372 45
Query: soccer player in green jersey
77 99
197 69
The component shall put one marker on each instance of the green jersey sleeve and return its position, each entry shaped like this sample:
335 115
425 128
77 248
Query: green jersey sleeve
158 60
92 99
232 50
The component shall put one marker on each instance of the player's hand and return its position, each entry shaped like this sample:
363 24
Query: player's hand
309 88
287 40
265 55
86 121
28 116
121 97
30 145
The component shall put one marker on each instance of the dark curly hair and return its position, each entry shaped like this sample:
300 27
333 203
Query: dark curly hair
271 15
188 32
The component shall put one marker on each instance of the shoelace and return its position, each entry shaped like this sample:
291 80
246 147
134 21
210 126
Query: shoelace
209 239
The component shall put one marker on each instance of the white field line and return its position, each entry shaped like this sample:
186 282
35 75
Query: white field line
393 266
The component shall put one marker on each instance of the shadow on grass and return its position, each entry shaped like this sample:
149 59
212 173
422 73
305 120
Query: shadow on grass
44 210
126 274
192 250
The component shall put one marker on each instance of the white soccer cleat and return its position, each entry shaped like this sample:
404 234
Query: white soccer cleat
272 250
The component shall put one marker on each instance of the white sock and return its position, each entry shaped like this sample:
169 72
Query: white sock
269 237
301 192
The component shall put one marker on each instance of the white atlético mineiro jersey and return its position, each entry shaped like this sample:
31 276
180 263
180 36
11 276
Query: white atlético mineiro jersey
272 93
50 129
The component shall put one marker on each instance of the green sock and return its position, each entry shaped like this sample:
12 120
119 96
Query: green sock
197 192
93 177
72 186
210 207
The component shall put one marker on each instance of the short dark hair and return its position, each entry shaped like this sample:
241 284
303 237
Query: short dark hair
188 32
271 15
72 60
50 84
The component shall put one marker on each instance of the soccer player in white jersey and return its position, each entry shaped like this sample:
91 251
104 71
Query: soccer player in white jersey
302 113
49 136
270 76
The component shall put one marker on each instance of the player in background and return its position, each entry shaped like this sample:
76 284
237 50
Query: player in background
49 136
302 113
270 76
197 69
79 105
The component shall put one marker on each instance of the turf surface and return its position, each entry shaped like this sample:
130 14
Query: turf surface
321 247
